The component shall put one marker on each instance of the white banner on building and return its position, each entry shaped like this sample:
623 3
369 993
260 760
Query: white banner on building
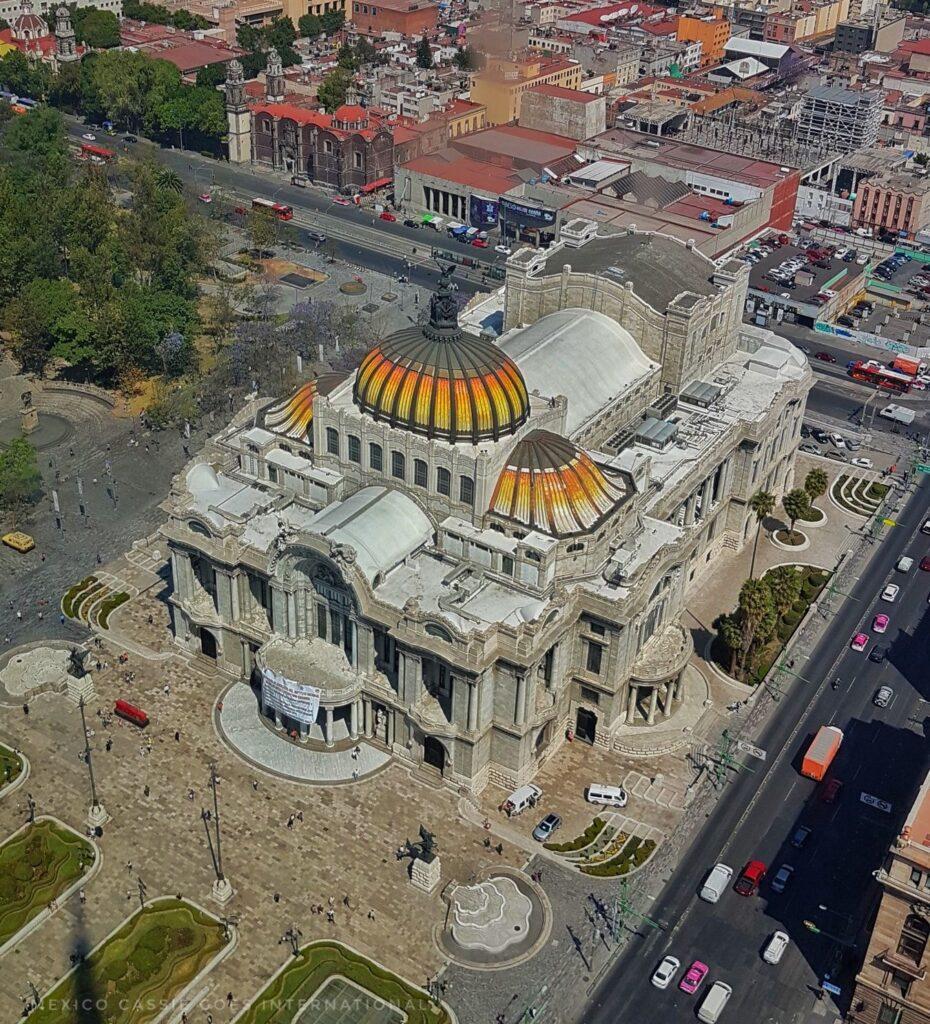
298 701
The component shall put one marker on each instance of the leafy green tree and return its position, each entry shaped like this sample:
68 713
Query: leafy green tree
784 583
424 53
262 230
20 481
762 504
168 180
346 58
45 319
754 609
211 76
249 37
466 59
96 28
20 75
731 636
815 483
332 90
333 21
281 34
310 26
366 52
795 503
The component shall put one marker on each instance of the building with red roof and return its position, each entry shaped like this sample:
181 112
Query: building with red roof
407 17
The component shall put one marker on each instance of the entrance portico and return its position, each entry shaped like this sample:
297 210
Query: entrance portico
657 677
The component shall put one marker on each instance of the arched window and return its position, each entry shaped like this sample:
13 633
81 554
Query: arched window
443 481
420 473
467 490
914 936
375 457
195 527
398 465
332 441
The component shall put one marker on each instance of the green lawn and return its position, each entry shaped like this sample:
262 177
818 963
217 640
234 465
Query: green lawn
11 766
37 866
307 973
156 954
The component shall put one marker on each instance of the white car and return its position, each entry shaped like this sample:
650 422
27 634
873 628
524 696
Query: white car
662 976
503 249
890 593
862 260
775 948
862 462
838 440
89 136
782 878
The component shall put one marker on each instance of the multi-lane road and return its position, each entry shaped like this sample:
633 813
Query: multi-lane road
883 756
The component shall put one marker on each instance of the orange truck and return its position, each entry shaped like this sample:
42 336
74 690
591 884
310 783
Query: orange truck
820 753
906 364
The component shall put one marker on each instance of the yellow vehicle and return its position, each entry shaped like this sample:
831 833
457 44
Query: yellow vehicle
20 542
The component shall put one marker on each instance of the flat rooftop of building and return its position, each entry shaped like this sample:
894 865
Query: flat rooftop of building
450 165
840 94
559 92
517 143
873 160
684 155
659 267
756 48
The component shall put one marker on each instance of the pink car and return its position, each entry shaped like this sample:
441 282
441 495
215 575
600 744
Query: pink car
859 642
880 623
695 974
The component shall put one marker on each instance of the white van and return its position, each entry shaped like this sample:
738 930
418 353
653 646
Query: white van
716 883
904 564
520 799
611 796
718 995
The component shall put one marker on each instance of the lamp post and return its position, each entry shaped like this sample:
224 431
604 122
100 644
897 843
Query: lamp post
222 890
97 815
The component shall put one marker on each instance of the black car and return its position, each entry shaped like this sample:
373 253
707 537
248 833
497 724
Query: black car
819 435
805 430
878 654
800 836
409 222
130 138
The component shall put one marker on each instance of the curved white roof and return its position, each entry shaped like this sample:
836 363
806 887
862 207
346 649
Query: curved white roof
581 354
383 525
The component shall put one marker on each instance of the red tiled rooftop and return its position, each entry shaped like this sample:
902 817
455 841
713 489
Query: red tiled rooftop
451 166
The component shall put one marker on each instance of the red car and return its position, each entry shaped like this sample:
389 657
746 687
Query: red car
925 563
831 790
825 357
387 215
480 243
750 878
342 201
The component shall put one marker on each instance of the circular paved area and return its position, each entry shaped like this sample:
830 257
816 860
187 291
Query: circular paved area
240 724
36 669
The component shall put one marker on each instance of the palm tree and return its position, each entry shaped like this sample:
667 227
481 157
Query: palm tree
815 484
762 503
168 180
795 503
784 583
755 603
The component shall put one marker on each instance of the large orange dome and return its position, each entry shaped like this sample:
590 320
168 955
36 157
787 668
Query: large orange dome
549 484
437 381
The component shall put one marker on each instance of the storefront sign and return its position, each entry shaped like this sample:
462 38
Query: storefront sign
530 216
296 700
483 213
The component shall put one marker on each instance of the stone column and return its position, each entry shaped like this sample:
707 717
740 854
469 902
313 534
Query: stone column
653 702
631 704
244 659
278 724
236 606
328 727
667 699
353 719
391 729
304 732
291 615
366 716
680 685
519 715
689 509
353 625
278 613
472 722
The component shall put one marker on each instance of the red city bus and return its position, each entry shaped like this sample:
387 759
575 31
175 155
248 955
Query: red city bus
279 210
89 150
869 371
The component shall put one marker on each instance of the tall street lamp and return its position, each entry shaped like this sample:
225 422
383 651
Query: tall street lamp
97 815
222 889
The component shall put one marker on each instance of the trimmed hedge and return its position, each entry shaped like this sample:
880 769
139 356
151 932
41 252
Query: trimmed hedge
579 842
633 855
108 606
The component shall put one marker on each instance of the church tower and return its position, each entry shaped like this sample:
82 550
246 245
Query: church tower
238 117
274 77
65 42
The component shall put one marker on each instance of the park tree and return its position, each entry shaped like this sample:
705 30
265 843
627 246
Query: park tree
795 503
45 319
261 229
346 58
424 53
815 484
333 89
20 482
755 611
730 635
784 583
96 28
310 26
762 504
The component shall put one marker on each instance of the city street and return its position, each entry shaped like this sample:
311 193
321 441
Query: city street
883 756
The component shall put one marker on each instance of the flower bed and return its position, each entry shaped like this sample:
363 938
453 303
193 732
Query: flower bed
308 972
585 839
36 866
153 957
108 606
11 766
67 602
634 854
609 851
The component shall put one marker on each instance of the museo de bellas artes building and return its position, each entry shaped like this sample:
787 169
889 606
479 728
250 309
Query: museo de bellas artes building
470 548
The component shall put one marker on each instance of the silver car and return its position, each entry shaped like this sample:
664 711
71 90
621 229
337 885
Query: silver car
883 696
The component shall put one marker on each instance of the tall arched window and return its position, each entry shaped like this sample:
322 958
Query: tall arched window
914 936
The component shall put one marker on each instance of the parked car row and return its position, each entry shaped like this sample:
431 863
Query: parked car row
887 268
718 995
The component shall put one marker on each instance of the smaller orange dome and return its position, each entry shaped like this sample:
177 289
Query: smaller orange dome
350 113
550 485
293 416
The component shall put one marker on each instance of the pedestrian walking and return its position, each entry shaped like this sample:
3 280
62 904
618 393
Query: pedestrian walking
190 794
331 916
332 902
290 821
41 616
109 745
254 785
277 897
82 896
229 998
19 615
300 815
355 774
345 901
61 618
177 735
129 866
371 915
